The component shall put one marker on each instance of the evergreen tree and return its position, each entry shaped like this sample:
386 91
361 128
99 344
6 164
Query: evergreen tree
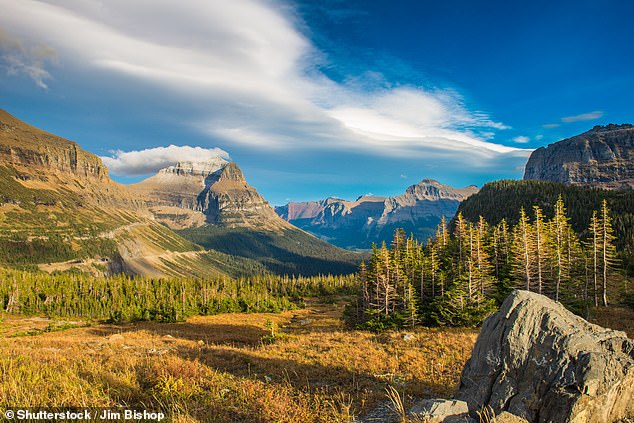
594 247
541 254
523 251
608 251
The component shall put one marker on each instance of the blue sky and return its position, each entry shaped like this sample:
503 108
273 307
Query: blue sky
316 99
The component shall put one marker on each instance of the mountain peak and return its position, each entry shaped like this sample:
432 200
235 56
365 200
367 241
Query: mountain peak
202 168
429 182
231 172
430 189
602 157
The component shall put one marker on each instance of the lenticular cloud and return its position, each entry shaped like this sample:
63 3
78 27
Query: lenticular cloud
143 162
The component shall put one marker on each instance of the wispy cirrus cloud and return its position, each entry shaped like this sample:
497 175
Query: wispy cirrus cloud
150 160
18 58
253 78
597 114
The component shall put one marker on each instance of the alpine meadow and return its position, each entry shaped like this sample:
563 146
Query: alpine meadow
296 211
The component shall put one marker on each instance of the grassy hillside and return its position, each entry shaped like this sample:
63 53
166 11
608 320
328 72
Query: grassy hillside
285 251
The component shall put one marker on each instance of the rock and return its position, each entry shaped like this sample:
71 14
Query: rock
305 322
441 410
117 337
506 417
602 157
408 337
535 359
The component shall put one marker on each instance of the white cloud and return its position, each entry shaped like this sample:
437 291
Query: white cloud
582 117
521 139
151 160
597 114
251 75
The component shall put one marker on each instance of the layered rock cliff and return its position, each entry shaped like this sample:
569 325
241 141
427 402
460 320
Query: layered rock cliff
602 157
24 146
369 219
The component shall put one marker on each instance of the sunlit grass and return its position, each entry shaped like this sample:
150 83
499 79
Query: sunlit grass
217 368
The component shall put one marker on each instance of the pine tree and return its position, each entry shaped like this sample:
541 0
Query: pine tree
482 257
442 235
461 235
559 224
608 251
541 254
523 251
594 247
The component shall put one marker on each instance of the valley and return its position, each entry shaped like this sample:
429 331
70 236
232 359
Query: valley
187 293
287 211
61 211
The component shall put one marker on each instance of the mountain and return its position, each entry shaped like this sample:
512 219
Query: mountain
211 204
191 194
357 224
602 157
60 210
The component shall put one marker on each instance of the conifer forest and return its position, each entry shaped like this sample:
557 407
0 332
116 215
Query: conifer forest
460 276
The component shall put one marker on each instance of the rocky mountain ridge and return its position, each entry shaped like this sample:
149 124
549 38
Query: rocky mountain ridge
602 158
368 219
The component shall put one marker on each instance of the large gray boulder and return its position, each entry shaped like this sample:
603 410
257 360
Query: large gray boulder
535 359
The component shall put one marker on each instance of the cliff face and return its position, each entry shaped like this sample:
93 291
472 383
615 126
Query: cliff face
602 157
178 185
193 193
367 220
229 201
24 146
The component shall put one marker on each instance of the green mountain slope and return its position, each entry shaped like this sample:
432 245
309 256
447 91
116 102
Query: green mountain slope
59 210
285 251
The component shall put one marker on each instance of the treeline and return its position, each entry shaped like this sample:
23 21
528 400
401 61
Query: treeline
460 276
122 298
503 200
21 250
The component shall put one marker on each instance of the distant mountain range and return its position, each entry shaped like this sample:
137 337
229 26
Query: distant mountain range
60 210
369 219
602 158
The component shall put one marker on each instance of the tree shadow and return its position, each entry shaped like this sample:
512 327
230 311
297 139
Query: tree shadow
209 334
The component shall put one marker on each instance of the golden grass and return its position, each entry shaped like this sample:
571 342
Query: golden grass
217 369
